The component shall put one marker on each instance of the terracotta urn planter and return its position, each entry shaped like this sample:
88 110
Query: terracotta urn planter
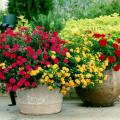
102 94
39 101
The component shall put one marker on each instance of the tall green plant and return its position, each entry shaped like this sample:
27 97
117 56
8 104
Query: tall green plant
29 8
51 22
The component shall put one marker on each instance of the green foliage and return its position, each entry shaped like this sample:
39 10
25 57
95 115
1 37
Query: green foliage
29 8
51 22
86 8
103 24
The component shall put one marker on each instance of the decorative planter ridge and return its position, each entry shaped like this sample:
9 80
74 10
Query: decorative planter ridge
103 94
39 101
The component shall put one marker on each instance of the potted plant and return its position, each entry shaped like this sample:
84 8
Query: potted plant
106 52
36 59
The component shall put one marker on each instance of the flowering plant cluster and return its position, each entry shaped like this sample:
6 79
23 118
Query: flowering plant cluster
109 48
32 58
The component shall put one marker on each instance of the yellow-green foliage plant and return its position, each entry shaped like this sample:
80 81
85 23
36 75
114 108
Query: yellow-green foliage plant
102 24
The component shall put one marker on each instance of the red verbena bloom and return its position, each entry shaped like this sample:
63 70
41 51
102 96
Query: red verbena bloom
115 45
22 72
15 88
118 40
117 52
55 61
2 77
102 57
34 84
66 60
116 67
111 59
27 84
12 80
103 42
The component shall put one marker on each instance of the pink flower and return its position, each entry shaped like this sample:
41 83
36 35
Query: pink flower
8 88
6 46
12 80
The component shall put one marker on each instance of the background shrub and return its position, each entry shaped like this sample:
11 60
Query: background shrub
29 8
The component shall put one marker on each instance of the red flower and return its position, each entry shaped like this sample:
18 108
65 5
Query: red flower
97 35
15 47
47 63
117 52
14 65
103 42
115 45
116 67
27 76
111 59
28 67
22 72
55 61
12 80
27 84
8 88
118 40
15 88
102 57
45 56
12 56
34 57
39 52
2 77
64 51
34 84
6 46
66 60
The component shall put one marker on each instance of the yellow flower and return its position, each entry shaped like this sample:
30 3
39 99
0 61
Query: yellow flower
88 75
53 56
62 71
77 59
81 70
68 55
41 80
71 50
77 51
55 66
50 87
64 92
46 78
71 83
50 75
40 69
68 88
100 74
33 73
77 81
67 74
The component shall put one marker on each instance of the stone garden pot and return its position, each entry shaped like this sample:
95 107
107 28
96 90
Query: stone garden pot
102 94
39 101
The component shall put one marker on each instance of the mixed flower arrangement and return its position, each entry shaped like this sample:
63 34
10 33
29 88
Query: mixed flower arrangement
32 58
